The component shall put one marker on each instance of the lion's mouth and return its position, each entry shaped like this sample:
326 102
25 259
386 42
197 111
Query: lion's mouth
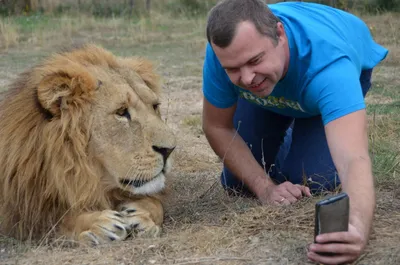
135 183
139 182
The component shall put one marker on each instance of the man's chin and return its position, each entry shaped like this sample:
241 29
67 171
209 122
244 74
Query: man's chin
263 93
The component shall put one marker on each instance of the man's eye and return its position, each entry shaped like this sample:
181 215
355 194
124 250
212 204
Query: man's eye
256 61
231 70
124 112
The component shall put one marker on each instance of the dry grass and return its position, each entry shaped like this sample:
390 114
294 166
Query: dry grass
40 31
8 34
203 225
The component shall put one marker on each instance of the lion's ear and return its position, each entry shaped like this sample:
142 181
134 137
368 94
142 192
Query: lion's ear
145 69
65 88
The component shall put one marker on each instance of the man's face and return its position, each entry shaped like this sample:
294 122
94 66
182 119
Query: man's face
255 62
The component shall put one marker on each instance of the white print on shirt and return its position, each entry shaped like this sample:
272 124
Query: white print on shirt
271 101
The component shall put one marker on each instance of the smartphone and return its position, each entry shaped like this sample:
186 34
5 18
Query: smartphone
332 215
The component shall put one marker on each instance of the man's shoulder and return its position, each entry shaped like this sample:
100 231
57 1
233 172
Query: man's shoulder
320 35
301 7
306 14
211 61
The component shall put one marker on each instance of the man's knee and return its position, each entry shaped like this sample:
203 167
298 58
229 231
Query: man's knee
323 183
318 183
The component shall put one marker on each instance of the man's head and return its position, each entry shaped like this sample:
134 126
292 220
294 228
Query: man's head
250 42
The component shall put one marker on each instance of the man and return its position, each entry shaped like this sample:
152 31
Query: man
284 89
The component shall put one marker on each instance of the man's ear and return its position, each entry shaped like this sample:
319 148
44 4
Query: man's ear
280 31
63 88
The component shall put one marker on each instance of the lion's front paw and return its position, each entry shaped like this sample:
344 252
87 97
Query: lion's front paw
139 223
107 226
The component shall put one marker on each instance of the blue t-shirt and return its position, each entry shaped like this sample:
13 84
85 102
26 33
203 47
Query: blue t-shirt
328 50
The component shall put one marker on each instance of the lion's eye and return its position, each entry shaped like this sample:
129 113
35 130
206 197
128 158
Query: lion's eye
124 112
156 105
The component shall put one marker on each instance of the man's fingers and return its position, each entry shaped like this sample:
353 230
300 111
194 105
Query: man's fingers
338 248
288 196
287 193
349 249
336 259
295 190
288 202
282 201
344 237
304 190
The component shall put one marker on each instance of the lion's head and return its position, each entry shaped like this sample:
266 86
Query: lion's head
81 124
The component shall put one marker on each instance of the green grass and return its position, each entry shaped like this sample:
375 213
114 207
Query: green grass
384 113
387 88
384 109
384 143
34 22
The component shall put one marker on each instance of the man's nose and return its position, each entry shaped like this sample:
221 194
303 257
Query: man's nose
247 76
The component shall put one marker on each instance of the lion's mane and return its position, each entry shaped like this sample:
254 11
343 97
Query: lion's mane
46 171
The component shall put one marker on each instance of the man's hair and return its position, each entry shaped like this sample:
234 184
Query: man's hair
224 17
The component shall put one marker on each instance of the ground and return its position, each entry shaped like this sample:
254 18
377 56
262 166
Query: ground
203 225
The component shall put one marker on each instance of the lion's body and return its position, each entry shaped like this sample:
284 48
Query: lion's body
81 135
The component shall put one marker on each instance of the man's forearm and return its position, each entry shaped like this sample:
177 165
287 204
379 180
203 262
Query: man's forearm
230 147
359 185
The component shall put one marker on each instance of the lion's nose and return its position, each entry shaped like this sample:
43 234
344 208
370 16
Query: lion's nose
164 151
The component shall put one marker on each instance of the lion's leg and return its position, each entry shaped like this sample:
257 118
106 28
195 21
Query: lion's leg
143 217
94 228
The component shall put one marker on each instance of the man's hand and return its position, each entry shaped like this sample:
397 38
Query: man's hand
229 146
347 248
285 193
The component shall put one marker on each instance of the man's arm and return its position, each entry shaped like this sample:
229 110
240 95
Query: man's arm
348 143
229 146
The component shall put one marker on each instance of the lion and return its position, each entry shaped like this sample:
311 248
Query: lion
84 152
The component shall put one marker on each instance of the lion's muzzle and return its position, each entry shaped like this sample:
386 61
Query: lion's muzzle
165 152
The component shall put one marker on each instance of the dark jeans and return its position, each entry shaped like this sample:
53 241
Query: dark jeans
295 150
